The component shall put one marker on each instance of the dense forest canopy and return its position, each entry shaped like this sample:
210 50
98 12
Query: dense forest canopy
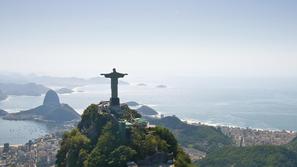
98 140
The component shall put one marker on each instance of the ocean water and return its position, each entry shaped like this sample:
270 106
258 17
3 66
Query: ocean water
20 132
263 104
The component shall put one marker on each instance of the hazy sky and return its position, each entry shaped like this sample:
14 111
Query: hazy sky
165 37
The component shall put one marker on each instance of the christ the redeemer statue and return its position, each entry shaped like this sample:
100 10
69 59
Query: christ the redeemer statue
114 76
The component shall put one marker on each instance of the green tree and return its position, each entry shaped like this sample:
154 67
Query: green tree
255 156
182 159
93 122
166 135
120 156
107 142
73 149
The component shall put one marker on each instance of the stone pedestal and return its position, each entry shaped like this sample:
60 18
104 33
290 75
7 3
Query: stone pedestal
114 101
115 109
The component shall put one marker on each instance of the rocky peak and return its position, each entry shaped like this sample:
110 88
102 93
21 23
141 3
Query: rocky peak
51 98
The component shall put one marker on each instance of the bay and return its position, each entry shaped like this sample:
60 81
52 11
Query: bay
261 104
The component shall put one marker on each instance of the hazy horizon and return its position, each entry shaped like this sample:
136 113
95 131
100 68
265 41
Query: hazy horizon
210 82
153 38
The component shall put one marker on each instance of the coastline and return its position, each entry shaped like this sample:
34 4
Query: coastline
198 122
242 137
246 136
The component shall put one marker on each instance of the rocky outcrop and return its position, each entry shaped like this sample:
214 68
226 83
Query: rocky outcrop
51 99
50 111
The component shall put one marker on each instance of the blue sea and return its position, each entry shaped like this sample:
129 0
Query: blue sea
254 103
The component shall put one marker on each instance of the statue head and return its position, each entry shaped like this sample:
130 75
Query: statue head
114 70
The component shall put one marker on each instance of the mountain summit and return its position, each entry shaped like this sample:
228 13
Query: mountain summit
51 99
51 111
109 138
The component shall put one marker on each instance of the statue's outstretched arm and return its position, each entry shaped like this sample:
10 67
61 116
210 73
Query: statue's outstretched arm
122 74
106 75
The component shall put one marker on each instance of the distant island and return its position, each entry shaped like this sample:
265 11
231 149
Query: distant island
64 91
28 89
161 86
3 113
51 111
142 109
132 103
146 110
141 84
